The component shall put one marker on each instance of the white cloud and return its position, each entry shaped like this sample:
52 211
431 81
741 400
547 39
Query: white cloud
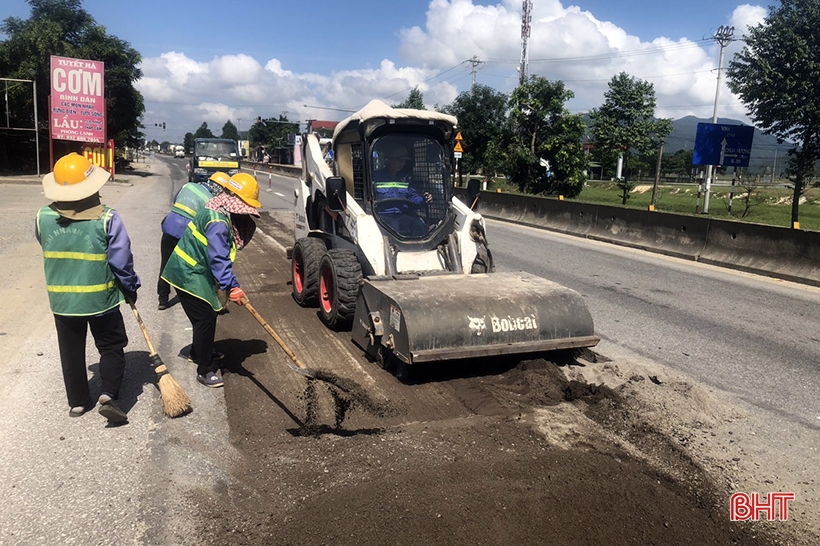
567 43
747 16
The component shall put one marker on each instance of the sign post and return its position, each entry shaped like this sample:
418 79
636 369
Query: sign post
457 151
721 144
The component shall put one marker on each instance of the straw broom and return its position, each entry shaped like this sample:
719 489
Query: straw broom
175 401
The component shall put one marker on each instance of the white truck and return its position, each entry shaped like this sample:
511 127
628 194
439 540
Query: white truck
179 151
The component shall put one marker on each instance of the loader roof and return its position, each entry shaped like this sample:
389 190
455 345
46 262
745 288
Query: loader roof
376 109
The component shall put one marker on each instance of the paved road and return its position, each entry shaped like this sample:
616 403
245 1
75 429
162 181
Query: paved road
74 481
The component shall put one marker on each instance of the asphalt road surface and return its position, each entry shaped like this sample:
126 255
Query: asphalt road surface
700 388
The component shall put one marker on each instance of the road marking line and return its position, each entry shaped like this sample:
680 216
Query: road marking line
279 194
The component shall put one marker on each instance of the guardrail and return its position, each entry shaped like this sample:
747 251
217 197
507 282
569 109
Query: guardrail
784 253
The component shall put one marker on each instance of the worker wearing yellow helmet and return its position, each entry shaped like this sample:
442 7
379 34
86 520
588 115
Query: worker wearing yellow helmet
89 272
201 266
188 201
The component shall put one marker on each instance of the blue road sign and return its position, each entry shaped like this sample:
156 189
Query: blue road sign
722 144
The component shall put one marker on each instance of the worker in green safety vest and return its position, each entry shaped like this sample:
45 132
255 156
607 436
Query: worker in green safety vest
89 271
187 202
201 266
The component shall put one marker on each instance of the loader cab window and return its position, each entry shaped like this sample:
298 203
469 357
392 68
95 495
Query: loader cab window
409 185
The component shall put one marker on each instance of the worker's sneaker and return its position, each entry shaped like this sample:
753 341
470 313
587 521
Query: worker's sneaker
215 356
210 379
163 304
111 411
78 411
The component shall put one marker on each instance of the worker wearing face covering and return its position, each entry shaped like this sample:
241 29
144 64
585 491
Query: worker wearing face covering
201 266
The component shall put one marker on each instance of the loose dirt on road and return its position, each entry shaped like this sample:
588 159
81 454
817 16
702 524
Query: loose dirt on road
565 449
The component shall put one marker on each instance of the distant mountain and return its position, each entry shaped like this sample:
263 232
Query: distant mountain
765 149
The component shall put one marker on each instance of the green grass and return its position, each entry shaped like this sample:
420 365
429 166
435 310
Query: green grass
768 205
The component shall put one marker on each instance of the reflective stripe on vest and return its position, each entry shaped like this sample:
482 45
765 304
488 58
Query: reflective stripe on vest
188 268
190 199
386 185
75 256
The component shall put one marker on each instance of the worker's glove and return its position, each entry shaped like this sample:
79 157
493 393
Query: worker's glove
130 297
237 294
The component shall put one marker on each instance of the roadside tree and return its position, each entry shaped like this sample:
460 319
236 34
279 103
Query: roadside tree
626 125
229 131
273 135
777 77
482 119
414 100
546 157
64 28
188 142
203 131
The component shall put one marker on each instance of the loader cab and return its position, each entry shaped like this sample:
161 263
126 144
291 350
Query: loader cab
410 186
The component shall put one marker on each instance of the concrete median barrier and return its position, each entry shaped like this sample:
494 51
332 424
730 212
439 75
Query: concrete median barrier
670 234
767 250
565 216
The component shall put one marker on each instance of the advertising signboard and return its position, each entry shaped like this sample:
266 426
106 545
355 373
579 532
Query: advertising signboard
77 100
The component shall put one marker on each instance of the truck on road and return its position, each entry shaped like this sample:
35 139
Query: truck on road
211 155
179 151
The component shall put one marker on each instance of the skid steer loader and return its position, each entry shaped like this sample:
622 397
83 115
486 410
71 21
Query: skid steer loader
382 245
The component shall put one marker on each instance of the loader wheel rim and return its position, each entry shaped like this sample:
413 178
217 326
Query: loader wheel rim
326 289
298 273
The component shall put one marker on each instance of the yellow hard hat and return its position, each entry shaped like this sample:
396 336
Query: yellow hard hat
246 188
74 178
220 178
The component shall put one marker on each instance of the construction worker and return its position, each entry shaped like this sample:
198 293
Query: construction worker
189 199
201 266
89 272
392 184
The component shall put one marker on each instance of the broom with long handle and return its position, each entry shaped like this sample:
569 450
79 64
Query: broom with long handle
175 401
299 366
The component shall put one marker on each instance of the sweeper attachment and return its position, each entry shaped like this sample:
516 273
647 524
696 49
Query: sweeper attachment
384 247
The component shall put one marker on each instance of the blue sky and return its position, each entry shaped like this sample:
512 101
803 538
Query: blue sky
213 61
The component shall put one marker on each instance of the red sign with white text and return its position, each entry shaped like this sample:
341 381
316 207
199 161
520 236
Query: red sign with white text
77 100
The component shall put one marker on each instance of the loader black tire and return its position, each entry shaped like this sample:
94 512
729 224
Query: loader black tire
483 262
305 261
340 279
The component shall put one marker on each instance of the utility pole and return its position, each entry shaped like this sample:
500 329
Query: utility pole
657 177
723 36
526 19
476 64
774 166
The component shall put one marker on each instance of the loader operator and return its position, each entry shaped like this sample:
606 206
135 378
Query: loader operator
89 272
189 199
393 182
201 266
